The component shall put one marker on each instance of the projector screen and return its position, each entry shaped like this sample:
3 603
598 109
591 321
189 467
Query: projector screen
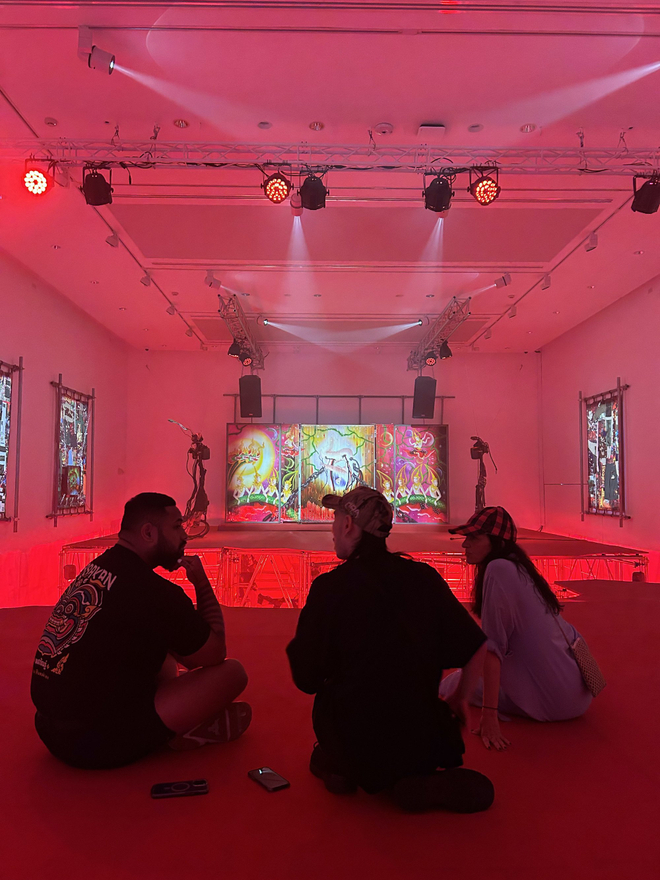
280 473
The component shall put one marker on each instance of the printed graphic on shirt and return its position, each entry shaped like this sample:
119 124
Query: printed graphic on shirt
72 614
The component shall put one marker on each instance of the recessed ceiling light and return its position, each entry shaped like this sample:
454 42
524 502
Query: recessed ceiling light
528 127
507 348
316 126
264 125
637 253
430 295
529 332
317 296
591 286
398 295
475 128
175 293
556 313
287 294
146 329
93 282
122 308
181 123
56 247
51 121
511 296
245 294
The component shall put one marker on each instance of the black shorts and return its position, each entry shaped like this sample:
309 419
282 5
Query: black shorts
110 744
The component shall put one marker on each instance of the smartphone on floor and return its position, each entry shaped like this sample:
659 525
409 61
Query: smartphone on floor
269 779
179 789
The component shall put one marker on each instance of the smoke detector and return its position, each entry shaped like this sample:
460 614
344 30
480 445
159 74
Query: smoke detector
384 128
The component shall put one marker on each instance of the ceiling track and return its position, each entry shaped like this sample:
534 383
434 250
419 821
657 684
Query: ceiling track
304 157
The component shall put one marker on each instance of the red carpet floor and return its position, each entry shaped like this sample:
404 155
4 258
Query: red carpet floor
575 800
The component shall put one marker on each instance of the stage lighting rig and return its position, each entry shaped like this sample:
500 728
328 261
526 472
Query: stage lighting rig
647 198
313 193
296 204
447 322
430 359
438 194
244 345
277 187
38 177
503 281
93 56
485 188
211 281
96 189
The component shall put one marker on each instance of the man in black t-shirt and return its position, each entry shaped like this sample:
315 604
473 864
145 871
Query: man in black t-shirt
372 642
105 678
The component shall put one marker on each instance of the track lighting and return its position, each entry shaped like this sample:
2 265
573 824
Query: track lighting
513 311
488 333
189 331
485 189
296 204
438 194
445 351
592 242
212 281
171 309
234 349
113 240
277 187
95 187
313 193
647 198
38 177
504 281
546 282
96 59
145 280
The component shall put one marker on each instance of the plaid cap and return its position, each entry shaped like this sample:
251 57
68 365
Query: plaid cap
370 509
495 521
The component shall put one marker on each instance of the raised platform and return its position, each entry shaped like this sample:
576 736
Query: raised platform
251 566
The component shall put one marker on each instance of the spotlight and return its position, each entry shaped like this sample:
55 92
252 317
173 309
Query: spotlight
212 281
485 189
296 204
488 333
592 242
438 194
266 322
513 311
95 188
145 280
113 240
171 310
189 331
547 281
277 187
313 193
504 281
647 198
234 350
430 359
420 322
99 59
445 351
245 358
38 178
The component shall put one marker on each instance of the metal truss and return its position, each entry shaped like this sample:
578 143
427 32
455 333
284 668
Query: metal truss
234 317
299 158
449 320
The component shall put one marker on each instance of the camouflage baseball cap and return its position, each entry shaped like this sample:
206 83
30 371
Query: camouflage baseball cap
370 509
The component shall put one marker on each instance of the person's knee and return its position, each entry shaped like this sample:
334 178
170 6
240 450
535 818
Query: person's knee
236 671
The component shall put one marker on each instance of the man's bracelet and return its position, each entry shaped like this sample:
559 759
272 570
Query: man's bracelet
494 708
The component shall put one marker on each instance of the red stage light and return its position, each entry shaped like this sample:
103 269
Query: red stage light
430 359
277 187
36 181
485 190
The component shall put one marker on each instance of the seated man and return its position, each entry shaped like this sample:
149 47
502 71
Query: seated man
371 643
105 680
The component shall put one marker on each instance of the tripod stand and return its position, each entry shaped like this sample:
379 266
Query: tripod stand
194 517
477 451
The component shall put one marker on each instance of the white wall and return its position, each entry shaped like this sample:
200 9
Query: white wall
621 341
495 397
53 336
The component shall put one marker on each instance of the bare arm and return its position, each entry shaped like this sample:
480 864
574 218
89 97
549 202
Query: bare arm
459 700
489 726
207 603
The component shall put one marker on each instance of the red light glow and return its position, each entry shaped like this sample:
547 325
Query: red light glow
277 187
37 182
485 190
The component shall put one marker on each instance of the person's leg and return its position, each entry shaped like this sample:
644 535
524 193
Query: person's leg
187 701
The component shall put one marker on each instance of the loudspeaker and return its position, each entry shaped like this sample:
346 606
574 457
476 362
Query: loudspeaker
249 389
424 399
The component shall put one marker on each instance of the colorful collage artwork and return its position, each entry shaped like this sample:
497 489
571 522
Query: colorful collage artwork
280 473
5 423
603 443
72 455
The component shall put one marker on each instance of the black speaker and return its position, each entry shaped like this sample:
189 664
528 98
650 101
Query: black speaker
424 399
249 389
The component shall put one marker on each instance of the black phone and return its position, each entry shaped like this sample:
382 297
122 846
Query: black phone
270 780
179 789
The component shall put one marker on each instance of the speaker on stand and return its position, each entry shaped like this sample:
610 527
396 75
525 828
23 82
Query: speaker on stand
424 397
249 391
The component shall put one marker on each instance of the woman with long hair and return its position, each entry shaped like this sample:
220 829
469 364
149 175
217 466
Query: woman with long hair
529 669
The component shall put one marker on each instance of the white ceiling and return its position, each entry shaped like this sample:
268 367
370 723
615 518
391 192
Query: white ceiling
374 257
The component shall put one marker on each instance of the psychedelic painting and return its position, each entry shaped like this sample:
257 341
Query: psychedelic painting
603 444
72 453
253 473
5 424
420 493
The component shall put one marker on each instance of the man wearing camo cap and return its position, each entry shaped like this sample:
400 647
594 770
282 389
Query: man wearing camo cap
372 642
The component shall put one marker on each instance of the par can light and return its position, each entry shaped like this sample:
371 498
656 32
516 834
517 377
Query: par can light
485 189
313 193
647 198
438 194
277 187
95 187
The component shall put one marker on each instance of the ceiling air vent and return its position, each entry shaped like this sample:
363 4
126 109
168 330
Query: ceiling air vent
431 131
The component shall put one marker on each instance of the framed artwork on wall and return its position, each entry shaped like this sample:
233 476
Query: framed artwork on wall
280 473
73 489
602 481
11 382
